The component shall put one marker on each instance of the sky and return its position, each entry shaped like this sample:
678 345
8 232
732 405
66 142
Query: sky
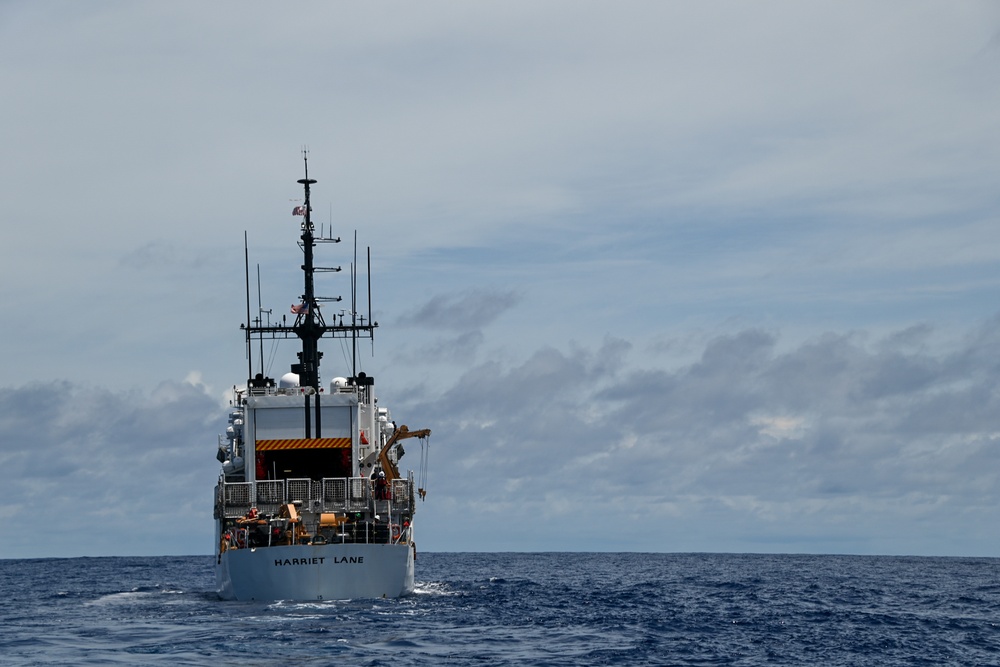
659 276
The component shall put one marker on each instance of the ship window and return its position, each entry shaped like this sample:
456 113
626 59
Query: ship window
280 423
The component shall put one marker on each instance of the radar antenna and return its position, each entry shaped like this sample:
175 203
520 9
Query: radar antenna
309 325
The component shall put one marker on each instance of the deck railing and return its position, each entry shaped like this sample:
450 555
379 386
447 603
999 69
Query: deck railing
336 494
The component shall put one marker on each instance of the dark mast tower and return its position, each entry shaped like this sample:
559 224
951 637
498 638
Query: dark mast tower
308 325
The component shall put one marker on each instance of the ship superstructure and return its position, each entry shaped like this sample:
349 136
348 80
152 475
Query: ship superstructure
311 503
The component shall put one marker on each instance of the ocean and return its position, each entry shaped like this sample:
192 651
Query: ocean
518 609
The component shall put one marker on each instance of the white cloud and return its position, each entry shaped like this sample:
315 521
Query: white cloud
885 439
579 449
95 471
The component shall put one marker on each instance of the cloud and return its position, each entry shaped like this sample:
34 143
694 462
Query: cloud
459 349
462 311
161 255
829 436
844 441
94 470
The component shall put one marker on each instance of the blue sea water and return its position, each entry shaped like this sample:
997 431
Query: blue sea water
518 609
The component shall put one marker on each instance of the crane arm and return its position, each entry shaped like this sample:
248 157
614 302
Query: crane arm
401 433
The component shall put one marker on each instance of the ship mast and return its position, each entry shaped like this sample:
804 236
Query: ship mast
309 325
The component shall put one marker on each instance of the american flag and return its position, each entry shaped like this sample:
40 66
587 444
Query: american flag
300 309
299 210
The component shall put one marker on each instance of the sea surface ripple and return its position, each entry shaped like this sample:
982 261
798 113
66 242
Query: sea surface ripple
518 609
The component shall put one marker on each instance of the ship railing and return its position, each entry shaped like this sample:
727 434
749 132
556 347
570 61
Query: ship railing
299 489
236 499
402 495
334 493
270 495
296 391
331 494
344 494
359 494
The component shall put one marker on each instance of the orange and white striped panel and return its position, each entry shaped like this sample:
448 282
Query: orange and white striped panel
302 443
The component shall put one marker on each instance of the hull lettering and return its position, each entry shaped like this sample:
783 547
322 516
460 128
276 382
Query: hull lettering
318 560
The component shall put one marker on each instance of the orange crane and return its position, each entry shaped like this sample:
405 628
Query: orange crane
388 467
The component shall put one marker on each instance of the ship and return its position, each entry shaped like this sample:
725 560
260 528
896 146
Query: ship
311 503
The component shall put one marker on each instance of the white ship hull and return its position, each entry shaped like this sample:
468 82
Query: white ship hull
316 572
